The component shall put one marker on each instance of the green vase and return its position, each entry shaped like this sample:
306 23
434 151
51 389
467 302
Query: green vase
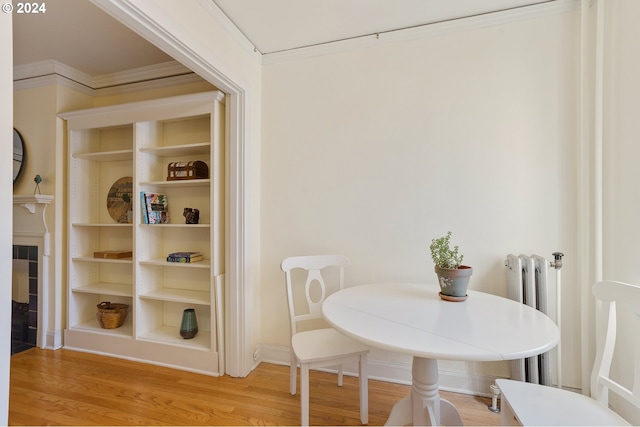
189 325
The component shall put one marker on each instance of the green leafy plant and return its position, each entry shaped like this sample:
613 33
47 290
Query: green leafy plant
443 255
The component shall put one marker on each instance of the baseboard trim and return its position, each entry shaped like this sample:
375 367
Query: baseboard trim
54 340
395 372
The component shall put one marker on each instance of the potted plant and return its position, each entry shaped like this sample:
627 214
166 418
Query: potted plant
453 277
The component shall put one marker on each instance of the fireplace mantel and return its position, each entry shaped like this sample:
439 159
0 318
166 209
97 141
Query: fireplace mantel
28 213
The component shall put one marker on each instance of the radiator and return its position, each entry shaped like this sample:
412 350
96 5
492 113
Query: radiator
527 282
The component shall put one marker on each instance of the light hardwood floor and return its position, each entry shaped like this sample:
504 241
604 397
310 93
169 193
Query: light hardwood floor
65 387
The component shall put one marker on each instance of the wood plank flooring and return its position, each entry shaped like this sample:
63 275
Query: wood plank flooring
65 387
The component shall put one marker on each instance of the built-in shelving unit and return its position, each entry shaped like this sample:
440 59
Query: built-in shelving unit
139 140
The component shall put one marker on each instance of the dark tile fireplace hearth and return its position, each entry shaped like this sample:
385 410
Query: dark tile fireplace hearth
24 316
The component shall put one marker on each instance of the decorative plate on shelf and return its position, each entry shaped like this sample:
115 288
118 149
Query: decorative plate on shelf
119 200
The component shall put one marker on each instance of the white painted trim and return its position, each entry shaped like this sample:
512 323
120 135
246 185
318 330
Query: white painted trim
598 139
583 229
49 80
223 20
54 339
51 67
35 70
238 351
149 85
141 74
238 356
393 372
588 356
6 263
425 31
137 359
48 73
590 180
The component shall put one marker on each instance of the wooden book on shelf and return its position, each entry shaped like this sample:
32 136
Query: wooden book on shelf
113 254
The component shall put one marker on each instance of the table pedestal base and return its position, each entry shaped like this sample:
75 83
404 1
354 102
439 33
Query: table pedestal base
424 407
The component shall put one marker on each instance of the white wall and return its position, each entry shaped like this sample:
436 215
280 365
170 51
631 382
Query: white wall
6 226
373 152
621 174
34 116
622 149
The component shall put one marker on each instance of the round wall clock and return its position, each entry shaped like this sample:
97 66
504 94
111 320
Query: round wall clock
119 202
18 155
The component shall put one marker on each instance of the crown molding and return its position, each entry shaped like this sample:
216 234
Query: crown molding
426 31
229 27
141 74
50 67
44 73
51 80
156 83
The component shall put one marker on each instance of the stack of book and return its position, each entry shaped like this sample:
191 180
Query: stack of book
185 257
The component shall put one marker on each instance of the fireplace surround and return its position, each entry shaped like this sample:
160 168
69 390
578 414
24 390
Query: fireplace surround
31 244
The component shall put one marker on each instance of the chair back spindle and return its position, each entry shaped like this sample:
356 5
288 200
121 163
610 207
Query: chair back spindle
535 404
616 297
315 307
313 267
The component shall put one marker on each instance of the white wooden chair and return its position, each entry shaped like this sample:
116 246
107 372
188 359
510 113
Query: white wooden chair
534 404
323 347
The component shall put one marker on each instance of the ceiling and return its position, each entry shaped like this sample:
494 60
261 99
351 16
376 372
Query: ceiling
79 35
280 25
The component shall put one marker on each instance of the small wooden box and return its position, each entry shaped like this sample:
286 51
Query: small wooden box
187 170
113 254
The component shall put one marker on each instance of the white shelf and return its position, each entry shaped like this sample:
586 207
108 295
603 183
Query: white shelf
115 289
177 225
178 183
179 295
179 150
93 326
138 140
171 335
205 263
115 224
107 260
106 156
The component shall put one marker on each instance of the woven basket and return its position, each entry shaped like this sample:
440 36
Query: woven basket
111 315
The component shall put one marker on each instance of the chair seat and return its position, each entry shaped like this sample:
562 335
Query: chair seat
541 405
323 344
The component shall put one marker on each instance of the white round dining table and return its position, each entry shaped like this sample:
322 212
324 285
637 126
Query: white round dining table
412 319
